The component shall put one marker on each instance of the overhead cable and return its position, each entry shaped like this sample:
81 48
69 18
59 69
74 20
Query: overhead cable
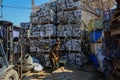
17 7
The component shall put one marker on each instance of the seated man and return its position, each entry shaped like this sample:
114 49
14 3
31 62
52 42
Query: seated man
54 55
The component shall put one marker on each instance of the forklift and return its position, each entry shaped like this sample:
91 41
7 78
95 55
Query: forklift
8 69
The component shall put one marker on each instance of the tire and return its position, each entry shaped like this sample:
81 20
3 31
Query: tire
10 75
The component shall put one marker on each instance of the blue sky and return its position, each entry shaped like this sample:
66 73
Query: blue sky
18 15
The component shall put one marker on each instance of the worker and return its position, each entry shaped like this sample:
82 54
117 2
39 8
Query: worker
54 55
16 55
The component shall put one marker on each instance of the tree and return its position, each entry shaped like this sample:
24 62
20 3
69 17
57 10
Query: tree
96 7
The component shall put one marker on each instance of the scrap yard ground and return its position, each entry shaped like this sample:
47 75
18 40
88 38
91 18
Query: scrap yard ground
63 40
86 72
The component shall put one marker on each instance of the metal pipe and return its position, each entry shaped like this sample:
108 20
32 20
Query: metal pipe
10 28
6 43
20 60
3 53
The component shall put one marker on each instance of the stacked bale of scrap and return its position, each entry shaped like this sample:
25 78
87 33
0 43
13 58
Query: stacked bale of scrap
60 18
44 15
41 35
69 17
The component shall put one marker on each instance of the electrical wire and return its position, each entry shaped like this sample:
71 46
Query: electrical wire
17 7
9 5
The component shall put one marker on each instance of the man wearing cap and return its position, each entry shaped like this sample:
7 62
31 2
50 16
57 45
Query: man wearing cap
54 54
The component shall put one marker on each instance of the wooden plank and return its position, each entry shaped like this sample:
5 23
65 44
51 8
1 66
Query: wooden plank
117 73
69 9
115 31
117 18
110 77
116 63
116 12
118 41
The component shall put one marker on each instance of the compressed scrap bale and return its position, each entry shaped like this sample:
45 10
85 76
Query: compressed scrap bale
68 45
77 58
34 18
44 15
49 30
60 16
67 4
68 27
61 4
73 3
69 16
67 33
60 30
67 30
47 12
75 16
76 30
76 45
35 34
43 30
60 33
47 46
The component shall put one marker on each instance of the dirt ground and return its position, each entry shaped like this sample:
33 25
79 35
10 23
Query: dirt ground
86 72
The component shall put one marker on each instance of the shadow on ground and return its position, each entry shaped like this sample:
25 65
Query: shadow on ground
86 72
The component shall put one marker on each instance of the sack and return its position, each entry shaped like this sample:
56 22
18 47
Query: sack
37 67
27 59
27 62
27 67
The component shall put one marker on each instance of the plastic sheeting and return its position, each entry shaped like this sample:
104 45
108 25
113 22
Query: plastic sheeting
95 24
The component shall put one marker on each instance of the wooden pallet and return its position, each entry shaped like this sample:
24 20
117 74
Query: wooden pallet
115 31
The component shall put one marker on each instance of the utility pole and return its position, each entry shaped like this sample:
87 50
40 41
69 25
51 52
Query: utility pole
33 4
1 6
